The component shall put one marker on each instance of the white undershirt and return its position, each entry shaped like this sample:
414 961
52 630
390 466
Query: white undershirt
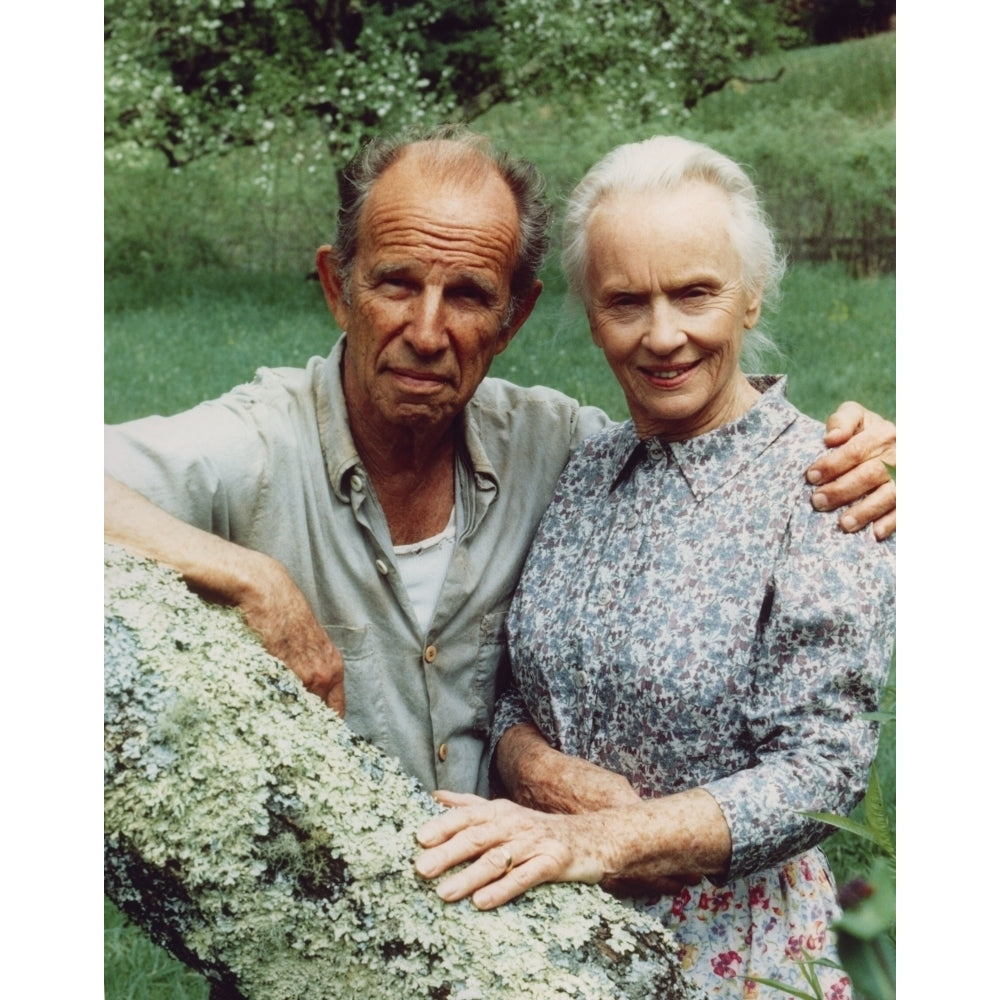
423 566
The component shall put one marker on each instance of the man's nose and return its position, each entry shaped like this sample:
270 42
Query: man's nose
427 330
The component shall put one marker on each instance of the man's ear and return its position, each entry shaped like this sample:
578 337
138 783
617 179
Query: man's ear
519 318
328 267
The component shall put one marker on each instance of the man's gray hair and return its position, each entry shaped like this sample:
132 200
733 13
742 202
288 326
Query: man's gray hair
456 150
663 163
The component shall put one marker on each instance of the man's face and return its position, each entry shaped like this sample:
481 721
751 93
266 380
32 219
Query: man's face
428 293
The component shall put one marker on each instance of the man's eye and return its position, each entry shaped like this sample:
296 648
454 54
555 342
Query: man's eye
469 293
396 284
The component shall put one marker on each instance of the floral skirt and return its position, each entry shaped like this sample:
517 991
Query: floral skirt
757 926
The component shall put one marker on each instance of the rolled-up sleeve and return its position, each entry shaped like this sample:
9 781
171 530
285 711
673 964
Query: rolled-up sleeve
204 466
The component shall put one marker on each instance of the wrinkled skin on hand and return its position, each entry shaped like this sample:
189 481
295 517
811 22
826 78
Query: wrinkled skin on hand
656 845
853 473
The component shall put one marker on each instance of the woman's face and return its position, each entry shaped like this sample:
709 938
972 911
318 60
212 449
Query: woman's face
668 308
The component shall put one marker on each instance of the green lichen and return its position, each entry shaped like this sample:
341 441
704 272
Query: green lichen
250 832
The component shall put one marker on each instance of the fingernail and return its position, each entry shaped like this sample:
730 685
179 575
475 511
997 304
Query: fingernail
849 523
813 476
820 501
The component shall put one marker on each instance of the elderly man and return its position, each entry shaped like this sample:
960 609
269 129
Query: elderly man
370 513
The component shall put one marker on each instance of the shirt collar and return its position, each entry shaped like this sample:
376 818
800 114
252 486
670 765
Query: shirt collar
710 460
339 452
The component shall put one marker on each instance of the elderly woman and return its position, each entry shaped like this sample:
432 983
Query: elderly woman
692 648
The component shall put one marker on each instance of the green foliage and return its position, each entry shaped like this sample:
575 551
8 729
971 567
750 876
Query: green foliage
820 142
198 77
866 930
866 933
137 969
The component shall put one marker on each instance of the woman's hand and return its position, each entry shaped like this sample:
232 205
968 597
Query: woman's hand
658 845
854 471
510 849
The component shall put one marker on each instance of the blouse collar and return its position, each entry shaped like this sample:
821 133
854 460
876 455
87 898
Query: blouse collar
710 460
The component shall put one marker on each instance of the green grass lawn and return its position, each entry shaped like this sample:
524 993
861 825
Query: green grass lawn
176 340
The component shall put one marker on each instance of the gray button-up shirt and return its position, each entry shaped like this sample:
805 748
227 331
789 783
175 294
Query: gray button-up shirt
272 466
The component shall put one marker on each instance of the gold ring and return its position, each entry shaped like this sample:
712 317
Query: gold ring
508 862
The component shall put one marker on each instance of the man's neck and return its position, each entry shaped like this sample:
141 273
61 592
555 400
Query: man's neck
412 470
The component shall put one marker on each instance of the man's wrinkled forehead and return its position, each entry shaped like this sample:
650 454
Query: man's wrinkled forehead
439 195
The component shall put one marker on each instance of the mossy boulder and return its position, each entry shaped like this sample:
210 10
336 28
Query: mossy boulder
253 835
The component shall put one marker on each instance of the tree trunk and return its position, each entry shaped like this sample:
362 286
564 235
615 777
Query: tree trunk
253 835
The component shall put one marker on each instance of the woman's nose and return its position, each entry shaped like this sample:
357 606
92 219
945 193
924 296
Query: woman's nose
666 331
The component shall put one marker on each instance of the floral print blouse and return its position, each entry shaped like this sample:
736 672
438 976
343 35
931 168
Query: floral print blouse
686 619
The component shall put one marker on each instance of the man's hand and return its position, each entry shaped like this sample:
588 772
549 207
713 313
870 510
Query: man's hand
854 471
277 611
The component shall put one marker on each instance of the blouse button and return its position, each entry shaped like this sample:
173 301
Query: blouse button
443 752
357 483
430 653
604 597
381 567
632 520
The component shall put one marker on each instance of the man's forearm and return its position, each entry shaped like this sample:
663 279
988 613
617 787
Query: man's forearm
272 604
219 568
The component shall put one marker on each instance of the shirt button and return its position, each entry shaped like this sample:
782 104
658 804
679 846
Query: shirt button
604 597
443 752
632 520
357 483
429 654
381 567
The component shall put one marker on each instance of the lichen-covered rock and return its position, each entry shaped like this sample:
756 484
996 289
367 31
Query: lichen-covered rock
251 833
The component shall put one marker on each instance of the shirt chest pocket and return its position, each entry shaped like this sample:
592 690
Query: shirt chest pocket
364 686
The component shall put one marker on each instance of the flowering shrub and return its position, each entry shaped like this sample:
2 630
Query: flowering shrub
196 77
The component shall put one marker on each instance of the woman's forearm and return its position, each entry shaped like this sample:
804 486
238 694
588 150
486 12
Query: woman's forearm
539 777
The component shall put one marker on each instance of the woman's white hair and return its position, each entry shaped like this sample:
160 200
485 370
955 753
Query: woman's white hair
663 163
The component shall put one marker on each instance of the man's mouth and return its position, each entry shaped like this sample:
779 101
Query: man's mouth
416 377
